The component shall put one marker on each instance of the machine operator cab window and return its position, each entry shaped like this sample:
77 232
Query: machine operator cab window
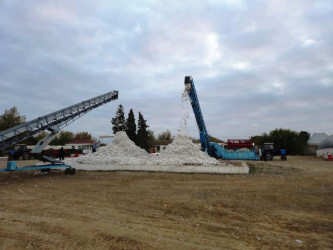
268 146
20 147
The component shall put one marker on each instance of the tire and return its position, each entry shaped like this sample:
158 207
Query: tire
39 157
269 156
72 171
67 171
25 156
283 158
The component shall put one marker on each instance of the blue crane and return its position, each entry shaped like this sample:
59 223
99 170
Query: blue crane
204 136
211 148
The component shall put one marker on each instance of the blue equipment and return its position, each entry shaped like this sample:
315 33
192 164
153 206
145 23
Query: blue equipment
52 122
211 148
11 166
204 137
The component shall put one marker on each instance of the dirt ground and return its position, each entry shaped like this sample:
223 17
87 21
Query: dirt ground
280 205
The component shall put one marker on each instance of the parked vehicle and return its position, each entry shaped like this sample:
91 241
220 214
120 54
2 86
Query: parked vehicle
268 151
19 150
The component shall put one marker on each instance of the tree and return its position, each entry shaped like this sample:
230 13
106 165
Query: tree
131 126
165 136
10 119
63 138
293 141
118 121
82 136
151 136
40 136
284 138
302 140
211 138
142 136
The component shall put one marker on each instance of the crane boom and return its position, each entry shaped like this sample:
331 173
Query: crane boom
204 137
54 121
211 148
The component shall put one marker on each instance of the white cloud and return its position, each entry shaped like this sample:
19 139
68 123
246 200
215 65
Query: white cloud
55 13
241 65
308 42
249 60
212 49
137 28
328 82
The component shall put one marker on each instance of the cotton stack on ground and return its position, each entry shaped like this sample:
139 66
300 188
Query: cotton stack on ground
180 156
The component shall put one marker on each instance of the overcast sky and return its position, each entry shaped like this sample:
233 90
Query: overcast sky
257 65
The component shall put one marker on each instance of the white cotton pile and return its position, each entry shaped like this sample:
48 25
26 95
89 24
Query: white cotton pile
121 151
183 152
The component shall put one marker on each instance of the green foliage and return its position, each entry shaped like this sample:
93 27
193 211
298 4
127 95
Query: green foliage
131 126
211 138
118 121
214 139
165 136
151 136
29 141
82 136
301 141
293 141
62 138
41 136
11 118
142 135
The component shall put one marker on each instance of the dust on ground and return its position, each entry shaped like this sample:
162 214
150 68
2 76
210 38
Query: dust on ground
279 205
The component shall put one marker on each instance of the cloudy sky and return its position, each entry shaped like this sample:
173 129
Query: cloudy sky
257 65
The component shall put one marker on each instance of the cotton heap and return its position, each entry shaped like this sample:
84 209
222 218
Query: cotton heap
183 152
123 151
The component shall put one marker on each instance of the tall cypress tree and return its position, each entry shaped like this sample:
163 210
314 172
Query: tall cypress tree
131 126
118 121
142 136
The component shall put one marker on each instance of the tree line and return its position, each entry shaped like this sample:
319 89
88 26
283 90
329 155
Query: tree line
11 118
294 142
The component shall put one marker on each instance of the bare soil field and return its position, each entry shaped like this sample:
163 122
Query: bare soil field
279 205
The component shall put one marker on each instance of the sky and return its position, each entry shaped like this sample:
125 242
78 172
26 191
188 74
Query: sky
256 65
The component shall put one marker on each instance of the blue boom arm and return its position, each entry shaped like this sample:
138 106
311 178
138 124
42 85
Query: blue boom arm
211 148
204 137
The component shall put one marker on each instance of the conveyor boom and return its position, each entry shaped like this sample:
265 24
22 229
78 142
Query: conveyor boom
58 119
